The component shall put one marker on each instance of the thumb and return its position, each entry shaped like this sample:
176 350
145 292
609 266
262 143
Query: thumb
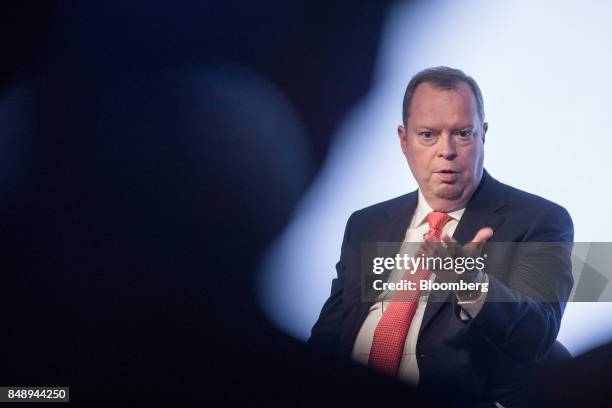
480 238
483 234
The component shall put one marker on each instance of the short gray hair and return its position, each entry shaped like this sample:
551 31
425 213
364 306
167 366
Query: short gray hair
443 78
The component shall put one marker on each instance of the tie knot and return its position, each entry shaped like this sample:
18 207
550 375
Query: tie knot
437 220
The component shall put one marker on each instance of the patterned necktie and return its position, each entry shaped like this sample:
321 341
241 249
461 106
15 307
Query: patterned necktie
390 333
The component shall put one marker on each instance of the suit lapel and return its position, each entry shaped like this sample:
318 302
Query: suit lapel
394 228
479 213
400 217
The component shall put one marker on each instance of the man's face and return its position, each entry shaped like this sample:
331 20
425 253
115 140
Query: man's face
443 142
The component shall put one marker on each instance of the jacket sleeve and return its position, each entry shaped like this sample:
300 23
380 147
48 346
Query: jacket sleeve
325 334
522 317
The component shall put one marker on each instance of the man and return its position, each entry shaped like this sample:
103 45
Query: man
472 346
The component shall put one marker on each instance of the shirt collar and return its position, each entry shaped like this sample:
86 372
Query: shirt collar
423 208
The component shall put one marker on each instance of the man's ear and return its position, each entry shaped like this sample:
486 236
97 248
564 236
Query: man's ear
485 127
401 133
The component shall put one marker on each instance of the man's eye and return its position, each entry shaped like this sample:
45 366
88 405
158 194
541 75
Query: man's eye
466 134
426 135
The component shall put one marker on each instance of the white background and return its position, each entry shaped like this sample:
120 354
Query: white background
545 70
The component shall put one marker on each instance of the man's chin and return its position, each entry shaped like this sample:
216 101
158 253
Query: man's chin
450 192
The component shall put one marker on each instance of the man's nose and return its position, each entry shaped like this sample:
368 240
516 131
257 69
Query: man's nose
447 148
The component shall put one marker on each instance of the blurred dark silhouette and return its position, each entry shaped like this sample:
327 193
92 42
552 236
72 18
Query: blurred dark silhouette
152 151
584 382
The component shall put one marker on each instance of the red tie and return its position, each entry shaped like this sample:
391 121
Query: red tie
391 331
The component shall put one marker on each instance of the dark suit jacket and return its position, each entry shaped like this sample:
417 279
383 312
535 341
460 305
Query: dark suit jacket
493 356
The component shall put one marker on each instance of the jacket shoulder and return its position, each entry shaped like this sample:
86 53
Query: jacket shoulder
384 208
543 219
520 199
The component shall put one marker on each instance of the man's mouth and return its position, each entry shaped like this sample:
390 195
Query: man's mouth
448 175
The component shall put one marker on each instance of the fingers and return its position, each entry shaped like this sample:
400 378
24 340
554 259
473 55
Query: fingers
426 248
429 246
448 238
432 247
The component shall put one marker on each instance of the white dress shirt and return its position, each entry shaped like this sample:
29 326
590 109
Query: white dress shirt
408 369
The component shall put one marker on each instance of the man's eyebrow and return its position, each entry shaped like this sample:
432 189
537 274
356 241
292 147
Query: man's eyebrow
464 127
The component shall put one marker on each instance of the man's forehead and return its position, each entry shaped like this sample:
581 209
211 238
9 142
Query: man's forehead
432 103
428 92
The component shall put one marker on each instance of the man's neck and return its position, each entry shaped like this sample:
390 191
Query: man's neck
444 205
